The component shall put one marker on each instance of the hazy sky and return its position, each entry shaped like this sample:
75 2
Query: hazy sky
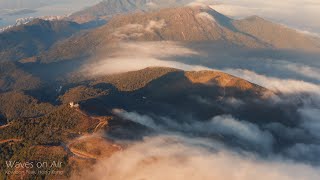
32 4
41 7
301 14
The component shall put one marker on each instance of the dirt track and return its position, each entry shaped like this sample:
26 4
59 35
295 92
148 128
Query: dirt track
10 140
102 120
4 126
82 154
76 152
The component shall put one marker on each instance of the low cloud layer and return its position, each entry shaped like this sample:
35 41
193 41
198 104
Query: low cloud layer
221 141
206 16
224 125
311 72
136 30
174 157
293 91
140 55
276 84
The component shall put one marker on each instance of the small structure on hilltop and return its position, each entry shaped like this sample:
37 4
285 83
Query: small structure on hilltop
73 105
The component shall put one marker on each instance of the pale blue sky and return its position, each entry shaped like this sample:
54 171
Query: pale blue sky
41 7
32 4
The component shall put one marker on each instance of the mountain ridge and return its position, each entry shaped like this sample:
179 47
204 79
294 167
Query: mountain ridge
109 8
184 24
29 39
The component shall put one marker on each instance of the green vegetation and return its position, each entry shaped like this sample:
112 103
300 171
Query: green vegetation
30 39
13 78
18 105
81 93
45 134
134 80
53 128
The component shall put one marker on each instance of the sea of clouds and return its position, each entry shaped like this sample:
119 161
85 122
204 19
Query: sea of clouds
184 149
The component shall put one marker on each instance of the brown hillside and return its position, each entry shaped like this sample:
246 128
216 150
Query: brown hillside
279 36
188 24
222 79
134 80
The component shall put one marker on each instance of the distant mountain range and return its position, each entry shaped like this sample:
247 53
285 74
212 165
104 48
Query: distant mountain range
22 21
37 40
187 24
29 39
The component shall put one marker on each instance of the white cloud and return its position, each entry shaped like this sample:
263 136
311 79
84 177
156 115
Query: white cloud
224 125
140 55
136 30
307 71
234 101
172 157
288 86
308 95
206 16
241 129
154 25
135 117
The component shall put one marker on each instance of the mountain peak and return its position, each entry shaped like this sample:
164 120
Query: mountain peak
254 17
176 24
